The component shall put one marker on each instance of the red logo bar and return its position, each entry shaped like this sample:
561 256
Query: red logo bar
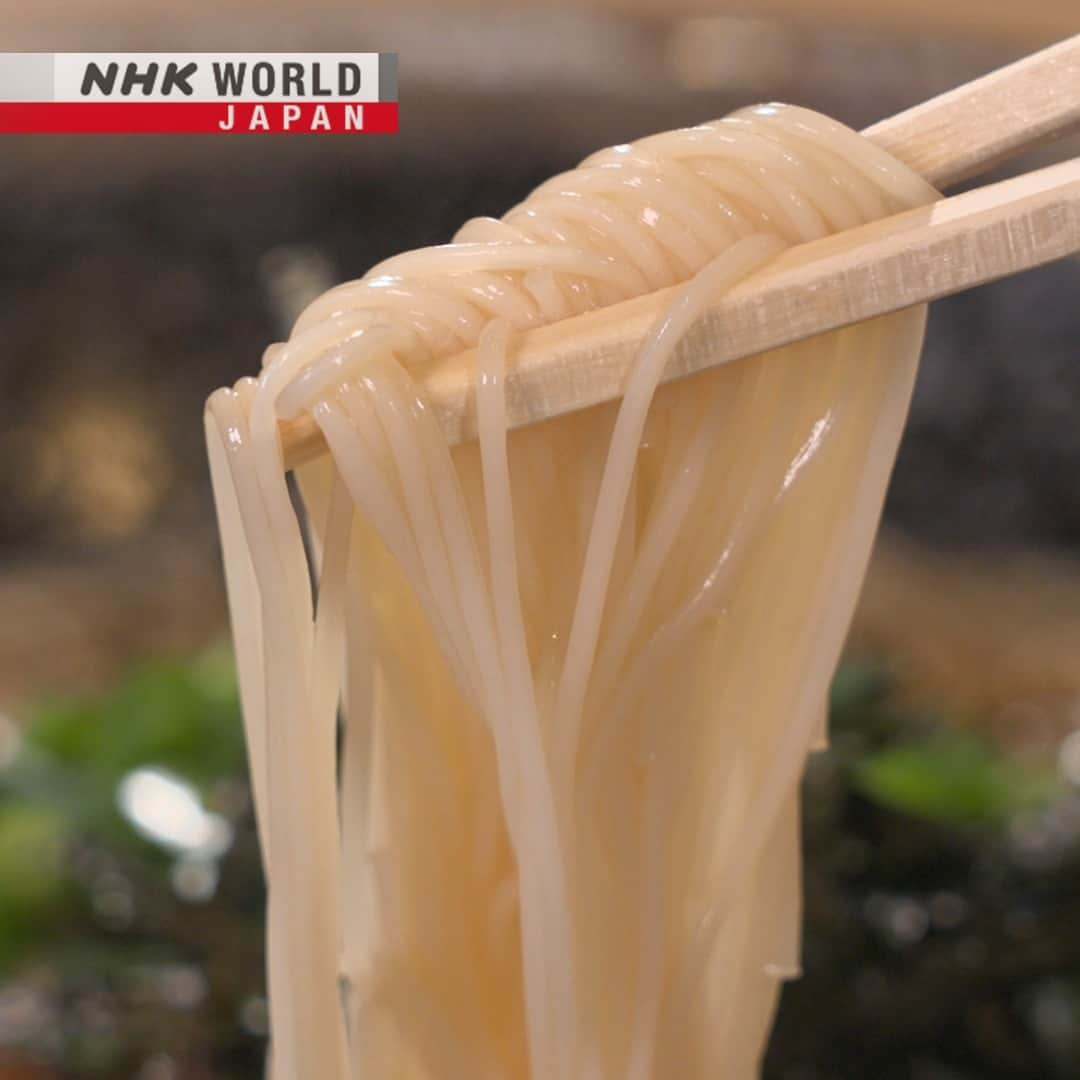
198 117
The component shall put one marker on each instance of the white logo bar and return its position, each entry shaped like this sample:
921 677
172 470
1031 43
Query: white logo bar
198 77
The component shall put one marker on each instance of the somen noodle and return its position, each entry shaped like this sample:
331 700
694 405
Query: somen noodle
526 757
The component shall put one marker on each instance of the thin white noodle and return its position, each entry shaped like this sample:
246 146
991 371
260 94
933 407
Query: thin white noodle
581 665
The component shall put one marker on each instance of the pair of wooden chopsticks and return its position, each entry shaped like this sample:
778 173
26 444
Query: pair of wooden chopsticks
911 258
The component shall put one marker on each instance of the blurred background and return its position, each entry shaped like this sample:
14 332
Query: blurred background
942 829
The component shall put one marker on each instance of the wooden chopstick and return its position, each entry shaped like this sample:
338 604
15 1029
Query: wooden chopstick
967 131
884 266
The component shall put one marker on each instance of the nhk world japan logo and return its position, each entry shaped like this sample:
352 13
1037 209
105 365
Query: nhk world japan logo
188 93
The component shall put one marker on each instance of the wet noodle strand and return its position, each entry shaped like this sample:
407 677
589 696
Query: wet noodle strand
578 666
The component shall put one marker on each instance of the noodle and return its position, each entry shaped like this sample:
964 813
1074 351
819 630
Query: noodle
580 665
